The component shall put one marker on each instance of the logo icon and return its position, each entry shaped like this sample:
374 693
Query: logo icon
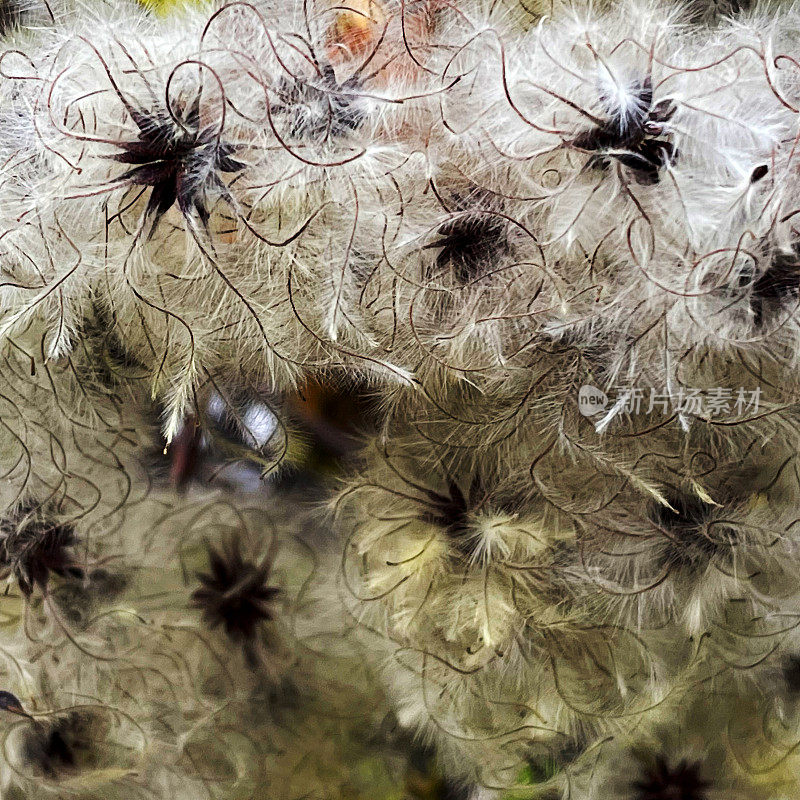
591 400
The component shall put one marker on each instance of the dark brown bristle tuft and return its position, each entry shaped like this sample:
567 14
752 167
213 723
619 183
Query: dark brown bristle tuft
180 162
469 245
32 547
633 137
319 108
57 746
450 511
779 282
664 782
688 539
235 594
